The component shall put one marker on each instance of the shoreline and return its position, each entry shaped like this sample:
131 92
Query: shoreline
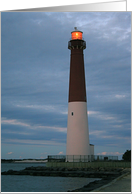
30 161
100 185
24 161
107 175
120 184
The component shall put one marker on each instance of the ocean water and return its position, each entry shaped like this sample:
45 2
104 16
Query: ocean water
25 183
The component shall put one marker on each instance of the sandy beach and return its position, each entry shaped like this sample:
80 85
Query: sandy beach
30 161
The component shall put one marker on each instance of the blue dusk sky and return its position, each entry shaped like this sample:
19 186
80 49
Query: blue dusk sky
35 64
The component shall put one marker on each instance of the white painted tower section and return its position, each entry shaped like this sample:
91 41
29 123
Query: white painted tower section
77 129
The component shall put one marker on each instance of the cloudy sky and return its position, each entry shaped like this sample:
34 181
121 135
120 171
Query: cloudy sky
35 63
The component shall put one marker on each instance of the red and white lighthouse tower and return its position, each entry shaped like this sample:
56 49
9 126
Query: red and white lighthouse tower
77 127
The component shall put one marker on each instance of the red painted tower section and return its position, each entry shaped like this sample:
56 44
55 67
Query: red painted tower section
77 88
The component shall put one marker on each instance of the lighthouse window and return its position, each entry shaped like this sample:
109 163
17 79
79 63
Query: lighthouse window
72 113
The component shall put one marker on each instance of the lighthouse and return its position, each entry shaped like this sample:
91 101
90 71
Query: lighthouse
77 125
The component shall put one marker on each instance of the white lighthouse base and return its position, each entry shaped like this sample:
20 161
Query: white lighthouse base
77 129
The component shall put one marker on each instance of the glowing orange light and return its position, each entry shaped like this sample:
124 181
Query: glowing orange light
76 35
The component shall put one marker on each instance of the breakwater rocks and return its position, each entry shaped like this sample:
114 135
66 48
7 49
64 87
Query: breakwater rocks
66 172
93 185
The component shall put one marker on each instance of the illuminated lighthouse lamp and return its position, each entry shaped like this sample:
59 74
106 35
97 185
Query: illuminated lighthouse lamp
76 34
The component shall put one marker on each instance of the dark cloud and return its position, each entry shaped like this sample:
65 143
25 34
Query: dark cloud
35 65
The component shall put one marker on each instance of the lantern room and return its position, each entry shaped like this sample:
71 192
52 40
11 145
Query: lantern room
76 34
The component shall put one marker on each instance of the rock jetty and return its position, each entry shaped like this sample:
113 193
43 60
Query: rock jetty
66 172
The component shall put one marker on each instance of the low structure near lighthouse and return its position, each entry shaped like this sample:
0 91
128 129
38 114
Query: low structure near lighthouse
77 127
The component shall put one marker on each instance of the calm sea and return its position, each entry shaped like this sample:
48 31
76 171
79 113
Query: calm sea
18 183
